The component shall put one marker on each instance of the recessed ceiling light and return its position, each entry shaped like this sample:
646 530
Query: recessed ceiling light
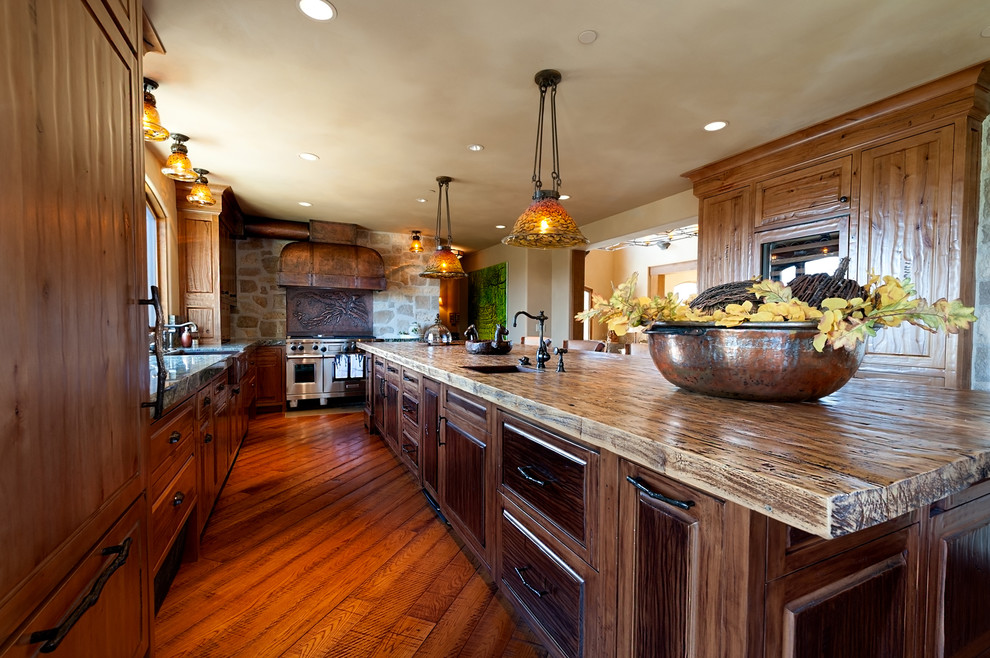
318 10
476 147
587 36
564 197
500 226
305 204
420 200
309 156
716 125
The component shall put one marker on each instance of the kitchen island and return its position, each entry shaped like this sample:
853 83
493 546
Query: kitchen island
799 518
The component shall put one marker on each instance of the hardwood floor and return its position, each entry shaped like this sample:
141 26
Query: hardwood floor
323 545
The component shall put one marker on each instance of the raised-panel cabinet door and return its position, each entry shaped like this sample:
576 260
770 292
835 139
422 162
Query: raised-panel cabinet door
392 414
959 582
464 488
906 221
670 568
270 363
725 238
431 437
858 604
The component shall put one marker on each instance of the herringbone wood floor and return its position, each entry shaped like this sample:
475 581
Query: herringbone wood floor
322 544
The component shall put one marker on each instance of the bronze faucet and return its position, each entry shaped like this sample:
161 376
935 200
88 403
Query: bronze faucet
542 355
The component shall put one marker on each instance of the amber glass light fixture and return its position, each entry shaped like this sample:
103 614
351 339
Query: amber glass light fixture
200 193
152 123
443 264
416 246
177 166
545 224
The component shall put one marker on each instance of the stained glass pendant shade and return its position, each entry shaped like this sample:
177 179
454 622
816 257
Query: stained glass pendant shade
152 122
443 263
200 194
545 224
178 166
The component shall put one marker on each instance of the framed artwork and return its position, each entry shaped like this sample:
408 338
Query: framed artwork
486 299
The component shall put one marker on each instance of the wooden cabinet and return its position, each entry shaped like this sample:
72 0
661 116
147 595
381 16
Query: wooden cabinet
430 445
201 258
209 464
115 570
269 361
467 478
174 478
76 356
958 577
900 178
410 426
378 391
672 568
860 603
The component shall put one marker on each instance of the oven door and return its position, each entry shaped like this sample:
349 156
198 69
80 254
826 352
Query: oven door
343 375
303 378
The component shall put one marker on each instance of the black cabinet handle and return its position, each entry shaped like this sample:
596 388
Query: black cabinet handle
636 482
407 378
524 471
174 437
220 387
206 401
408 448
179 499
391 369
407 409
844 199
519 572
53 637
208 438
236 390
381 387
440 419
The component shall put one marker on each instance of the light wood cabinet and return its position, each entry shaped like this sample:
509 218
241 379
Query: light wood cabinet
204 256
900 178
75 451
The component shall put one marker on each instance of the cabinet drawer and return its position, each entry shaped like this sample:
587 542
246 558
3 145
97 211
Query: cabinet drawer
816 191
392 371
171 509
410 381
551 591
410 409
221 390
409 447
470 410
170 434
552 475
114 627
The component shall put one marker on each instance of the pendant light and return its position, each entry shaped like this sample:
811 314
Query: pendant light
200 193
443 264
416 246
177 166
545 224
152 122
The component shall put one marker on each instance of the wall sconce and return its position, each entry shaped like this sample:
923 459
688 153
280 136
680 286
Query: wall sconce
545 224
152 122
200 193
416 246
177 166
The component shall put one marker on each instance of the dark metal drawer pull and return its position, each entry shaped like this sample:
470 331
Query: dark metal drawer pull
220 387
407 409
524 471
440 419
206 401
179 499
381 386
391 369
407 378
53 637
208 438
236 390
636 482
519 572
408 448
174 437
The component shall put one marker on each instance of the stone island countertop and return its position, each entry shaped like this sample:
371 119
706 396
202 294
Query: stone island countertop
868 453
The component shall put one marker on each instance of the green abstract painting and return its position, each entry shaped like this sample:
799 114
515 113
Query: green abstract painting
486 299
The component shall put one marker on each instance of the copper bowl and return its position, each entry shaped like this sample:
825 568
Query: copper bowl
770 362
487 347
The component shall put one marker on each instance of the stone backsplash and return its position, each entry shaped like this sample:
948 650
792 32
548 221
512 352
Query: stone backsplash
260 310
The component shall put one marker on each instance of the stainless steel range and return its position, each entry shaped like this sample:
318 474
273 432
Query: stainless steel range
321 368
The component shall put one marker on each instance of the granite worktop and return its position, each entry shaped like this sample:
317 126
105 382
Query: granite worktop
868 453
191 368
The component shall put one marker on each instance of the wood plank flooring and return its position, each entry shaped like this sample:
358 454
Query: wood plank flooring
322 544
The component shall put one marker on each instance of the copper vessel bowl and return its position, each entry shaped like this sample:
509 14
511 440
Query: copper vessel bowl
770 362
487 347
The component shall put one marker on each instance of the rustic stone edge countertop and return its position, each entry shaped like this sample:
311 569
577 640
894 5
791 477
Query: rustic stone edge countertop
868 453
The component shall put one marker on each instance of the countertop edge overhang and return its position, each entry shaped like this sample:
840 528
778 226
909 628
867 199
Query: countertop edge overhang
869 453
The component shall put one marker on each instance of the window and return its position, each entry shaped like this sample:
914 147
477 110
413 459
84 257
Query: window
151 254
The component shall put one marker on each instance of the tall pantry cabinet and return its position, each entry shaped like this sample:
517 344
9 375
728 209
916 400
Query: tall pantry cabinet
74 362
893 185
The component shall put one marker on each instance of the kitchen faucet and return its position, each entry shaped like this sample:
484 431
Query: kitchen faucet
542 355
172 329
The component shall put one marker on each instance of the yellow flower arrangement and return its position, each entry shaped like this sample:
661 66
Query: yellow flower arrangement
842 323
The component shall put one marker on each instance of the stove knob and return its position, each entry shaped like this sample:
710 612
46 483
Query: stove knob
323 349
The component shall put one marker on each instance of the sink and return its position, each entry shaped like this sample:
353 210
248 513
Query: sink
499 369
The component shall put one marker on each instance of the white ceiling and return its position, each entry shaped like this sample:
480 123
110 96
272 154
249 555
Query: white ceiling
390 93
